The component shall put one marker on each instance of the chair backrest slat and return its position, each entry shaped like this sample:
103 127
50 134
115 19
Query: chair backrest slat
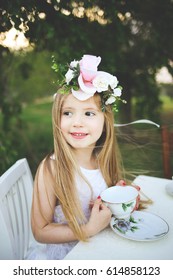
16 186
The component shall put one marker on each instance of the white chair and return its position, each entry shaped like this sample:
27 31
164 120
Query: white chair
16 187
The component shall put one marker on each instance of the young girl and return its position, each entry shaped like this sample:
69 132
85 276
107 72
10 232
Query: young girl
66 204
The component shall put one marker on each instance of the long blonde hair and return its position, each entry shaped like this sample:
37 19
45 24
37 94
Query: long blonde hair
66 167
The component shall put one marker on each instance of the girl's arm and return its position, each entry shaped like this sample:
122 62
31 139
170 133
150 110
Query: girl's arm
44 202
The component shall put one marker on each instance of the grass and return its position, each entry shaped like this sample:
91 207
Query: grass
38 132
38 114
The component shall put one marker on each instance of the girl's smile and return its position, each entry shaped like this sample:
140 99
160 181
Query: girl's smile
81 122
78 135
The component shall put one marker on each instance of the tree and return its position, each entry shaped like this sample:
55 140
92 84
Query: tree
134 38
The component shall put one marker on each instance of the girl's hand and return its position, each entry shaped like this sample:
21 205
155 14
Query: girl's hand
99 219
123 184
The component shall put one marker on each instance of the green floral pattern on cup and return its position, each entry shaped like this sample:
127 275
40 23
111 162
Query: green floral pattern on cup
126 205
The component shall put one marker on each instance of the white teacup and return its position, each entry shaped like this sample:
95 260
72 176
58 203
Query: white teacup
120 200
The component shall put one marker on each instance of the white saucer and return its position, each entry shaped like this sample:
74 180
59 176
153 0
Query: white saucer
144 226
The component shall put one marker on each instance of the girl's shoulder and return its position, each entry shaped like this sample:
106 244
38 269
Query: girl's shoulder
47 165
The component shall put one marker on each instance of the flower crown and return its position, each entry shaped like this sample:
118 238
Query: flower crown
83 80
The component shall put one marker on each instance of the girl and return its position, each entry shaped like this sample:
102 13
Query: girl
66 204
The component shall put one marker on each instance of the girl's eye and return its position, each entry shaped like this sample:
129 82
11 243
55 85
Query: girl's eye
67 113
90 114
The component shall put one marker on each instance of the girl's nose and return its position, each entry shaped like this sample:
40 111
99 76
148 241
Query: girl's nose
77 121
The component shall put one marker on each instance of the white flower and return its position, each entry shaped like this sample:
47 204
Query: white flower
117 92
69 76
113 82
54 96
74 63
101 81
110 100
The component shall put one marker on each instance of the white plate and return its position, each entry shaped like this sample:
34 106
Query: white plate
144 226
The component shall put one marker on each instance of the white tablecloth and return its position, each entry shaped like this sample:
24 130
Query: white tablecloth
108 245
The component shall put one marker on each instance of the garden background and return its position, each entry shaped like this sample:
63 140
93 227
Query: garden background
134 39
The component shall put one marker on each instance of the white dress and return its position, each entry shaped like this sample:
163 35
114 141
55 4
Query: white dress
59 251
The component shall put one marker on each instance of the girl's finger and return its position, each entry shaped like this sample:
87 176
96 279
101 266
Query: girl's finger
121 183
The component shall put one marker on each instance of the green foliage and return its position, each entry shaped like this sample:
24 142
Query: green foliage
167 90
30 138
134 39
11 144
30 76
37 132
61 70
124 33
8 153
148 104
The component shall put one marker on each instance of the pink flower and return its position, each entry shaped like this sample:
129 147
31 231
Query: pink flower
91 80
88 67
88 71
